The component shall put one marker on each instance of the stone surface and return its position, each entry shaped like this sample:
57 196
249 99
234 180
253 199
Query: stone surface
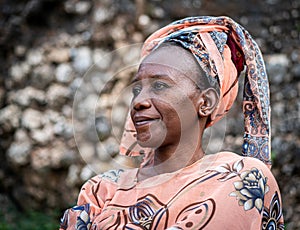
82 59
9 118
277 67
64 73
27 96
32 119
34 57
43 136
19 151
19 72
42 76
57 95
59 55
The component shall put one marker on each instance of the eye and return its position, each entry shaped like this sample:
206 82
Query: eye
158 85
136 89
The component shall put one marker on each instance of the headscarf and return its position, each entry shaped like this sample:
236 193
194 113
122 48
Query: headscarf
222 47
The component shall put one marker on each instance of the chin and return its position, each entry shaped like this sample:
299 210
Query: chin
153 136
149 141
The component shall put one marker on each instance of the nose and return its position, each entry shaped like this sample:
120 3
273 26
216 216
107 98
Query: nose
141 104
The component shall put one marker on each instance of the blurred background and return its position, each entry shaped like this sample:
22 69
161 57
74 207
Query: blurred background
50 97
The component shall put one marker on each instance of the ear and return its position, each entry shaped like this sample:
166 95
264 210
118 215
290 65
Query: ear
207 102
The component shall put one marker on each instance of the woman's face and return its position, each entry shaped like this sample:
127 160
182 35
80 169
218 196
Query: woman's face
164 98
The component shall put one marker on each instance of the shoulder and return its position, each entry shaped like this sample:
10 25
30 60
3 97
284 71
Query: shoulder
244 186
245 162
108 177
246 173
255 187
101 187
113 175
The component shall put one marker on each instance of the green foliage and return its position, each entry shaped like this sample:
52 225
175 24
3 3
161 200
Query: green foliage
32 220
273 156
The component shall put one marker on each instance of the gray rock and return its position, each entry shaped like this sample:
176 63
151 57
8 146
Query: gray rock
86 173
86 106
64 73
296 71
59 55
77 7
25 97
55 156
9 118
277 67
119 114
34 57
103 127
61 156
118 33
43 136
86 151
41 158
144 20
52 116
57 95
295 55
102 14
19 72
107 149
73 175
130 54
20 50
102 58
42 76
32 119
63 128
82 7
82 59
21 135
18 153
278 109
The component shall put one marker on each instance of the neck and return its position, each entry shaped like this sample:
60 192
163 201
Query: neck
171 158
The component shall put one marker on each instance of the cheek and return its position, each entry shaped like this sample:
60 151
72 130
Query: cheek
170 113
181 113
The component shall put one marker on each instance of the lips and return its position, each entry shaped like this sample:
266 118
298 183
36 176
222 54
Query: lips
143 120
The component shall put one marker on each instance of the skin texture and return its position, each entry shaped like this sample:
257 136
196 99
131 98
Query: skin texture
169 110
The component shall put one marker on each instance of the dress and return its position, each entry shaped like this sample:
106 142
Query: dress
220 191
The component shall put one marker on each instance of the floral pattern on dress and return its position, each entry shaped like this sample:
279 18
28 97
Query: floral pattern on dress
143 212
272 215
83 221
251 189
113 175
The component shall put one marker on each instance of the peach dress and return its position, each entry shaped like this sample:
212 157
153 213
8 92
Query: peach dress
209 194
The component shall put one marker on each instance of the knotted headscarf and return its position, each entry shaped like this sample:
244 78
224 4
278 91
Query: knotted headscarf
222 48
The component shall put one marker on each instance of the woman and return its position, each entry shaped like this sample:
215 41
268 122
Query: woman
185 83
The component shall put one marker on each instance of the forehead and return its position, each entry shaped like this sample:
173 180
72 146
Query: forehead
172 57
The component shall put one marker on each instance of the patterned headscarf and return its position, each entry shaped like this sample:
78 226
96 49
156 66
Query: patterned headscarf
222 47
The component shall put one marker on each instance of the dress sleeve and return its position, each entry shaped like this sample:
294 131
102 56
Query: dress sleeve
89 205
272 215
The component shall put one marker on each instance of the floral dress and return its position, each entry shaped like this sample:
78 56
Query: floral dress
220 191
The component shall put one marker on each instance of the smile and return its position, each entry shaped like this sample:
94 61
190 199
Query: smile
141 121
